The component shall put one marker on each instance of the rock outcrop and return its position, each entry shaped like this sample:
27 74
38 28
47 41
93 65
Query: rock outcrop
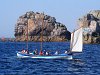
52 30
91 25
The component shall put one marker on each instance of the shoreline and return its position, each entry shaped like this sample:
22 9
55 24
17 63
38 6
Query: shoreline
13 40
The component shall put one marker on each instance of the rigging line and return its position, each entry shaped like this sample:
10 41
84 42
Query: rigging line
42 18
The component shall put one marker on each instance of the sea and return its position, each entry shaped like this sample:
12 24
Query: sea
85 63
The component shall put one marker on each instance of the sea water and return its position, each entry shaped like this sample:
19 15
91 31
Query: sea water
85 63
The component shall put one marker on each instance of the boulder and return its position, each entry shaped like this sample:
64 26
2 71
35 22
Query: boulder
34 23
91 26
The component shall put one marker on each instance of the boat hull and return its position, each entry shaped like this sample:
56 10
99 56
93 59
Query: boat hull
60 56
52 57
22 55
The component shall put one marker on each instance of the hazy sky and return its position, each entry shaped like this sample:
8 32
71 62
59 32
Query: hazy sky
65 11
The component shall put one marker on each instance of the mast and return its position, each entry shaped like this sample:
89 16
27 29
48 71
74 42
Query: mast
27 37
42 16
71 42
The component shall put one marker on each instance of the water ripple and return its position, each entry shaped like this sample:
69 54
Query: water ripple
87 63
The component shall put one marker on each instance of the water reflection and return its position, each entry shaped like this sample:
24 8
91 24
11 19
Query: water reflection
76 66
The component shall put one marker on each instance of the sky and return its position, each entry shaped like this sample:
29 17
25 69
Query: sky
65 11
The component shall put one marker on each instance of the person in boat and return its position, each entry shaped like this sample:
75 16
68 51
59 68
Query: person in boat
41 53
44 52
56 53
36 52
23 51
47 53
27 52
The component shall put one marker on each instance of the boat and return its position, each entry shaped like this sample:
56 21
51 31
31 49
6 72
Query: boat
76 45
59 56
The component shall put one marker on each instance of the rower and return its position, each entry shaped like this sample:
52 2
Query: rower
27 52
47 53
36 52
23 51
41 53
44 52
56 53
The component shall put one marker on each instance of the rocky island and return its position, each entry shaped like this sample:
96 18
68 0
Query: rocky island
52 30
91 26
56 31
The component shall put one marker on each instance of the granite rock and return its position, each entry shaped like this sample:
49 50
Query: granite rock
91 26
52 30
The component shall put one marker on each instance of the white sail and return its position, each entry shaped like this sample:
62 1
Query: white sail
77 41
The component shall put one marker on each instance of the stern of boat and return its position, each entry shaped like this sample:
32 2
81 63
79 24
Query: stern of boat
21 55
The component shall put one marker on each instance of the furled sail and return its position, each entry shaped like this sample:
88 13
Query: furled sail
76 41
